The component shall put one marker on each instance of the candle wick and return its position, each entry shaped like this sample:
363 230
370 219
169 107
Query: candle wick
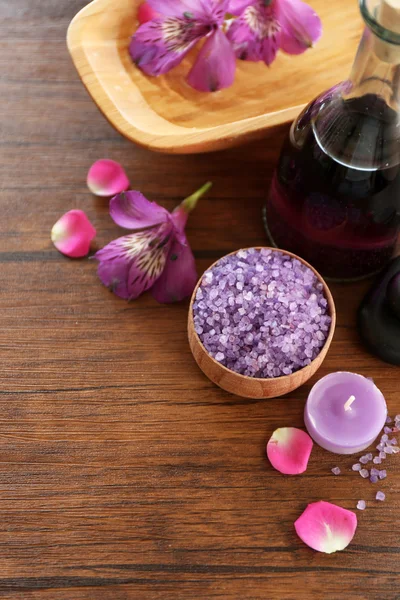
349 402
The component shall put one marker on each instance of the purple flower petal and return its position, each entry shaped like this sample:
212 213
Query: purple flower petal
215 66
132 210
256 34
177 8
236 7
198 9
301 26
131 264
161 44
179 277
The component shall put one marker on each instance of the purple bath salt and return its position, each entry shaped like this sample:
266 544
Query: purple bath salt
377 460
382 474
374 479
361 505
380 496
264 311
336 471
364 473
387 429
363 459
374 471
369 456
356 467
393 441
388 419
382 455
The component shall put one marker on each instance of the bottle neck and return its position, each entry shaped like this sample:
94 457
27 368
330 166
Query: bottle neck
376 71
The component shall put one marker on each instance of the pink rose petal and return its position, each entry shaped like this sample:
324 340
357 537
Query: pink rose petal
289 450
326 527
146 13
107 178
73 233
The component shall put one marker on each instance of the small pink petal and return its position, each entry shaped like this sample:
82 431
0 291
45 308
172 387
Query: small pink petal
146 13
73 233
326 527
107 178
289 449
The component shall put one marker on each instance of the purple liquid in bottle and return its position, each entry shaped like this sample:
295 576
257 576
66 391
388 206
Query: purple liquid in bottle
335 196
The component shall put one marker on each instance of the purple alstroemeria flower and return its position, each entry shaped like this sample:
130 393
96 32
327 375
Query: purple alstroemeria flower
162 43
265 26
156 256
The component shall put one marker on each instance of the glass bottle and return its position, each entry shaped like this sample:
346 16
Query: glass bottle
335 195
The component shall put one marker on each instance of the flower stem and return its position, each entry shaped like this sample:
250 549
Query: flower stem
190 202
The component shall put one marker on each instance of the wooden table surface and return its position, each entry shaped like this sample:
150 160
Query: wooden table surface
124 473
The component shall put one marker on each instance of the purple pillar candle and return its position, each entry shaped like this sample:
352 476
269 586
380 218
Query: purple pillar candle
345 412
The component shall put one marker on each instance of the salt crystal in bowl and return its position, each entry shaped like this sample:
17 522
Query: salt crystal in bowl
244 272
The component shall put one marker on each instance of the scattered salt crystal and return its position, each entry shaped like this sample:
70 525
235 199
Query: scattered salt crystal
395 449
374 471
356 467
382 474
388 450
369 456
336 471
361 505
387 429
374 479
219 356
364 473
380 496
382 455
385 437
363 459
393 441
380 446
377 460
388 419
397 418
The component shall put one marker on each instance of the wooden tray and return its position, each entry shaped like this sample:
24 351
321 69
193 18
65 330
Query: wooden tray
165 114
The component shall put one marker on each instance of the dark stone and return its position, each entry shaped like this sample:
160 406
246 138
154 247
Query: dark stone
379 315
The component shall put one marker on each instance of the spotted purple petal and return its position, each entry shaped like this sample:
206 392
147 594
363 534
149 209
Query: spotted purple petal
215 66
131 264
161 44
301 26
256 34
132 210
179 277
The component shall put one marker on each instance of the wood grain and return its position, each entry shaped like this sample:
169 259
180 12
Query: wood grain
124 473
166 114
252 387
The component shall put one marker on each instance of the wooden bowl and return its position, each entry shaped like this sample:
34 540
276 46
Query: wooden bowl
165 114
252 387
